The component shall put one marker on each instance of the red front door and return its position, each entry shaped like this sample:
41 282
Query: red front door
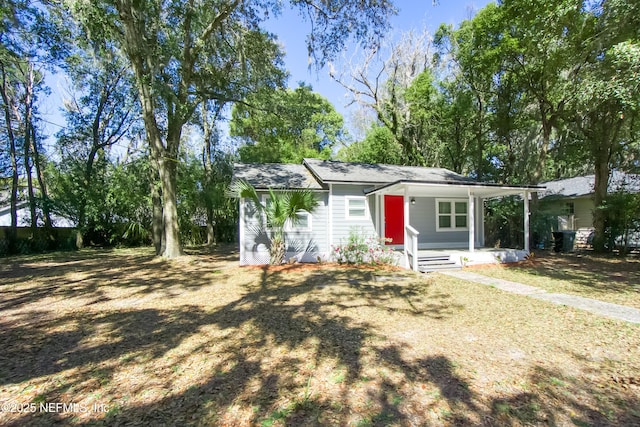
394 219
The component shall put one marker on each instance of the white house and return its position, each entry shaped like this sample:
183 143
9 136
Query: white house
427 213
571 199
571 202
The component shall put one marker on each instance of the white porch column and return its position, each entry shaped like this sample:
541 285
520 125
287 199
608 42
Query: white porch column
407 204
379 225
471 221
525 197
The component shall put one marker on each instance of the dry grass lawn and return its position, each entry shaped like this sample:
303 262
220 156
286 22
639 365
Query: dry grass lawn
604 277
123 338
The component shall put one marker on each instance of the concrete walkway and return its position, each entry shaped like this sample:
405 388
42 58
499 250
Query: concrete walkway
614 311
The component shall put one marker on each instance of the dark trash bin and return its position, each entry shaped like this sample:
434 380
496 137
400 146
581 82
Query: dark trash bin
564 241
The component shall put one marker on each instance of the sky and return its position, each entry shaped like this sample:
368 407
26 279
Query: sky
291 31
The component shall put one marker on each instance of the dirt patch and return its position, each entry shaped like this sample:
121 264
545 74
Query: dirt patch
124 338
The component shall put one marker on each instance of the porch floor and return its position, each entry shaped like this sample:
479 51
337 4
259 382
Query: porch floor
480 254
457 258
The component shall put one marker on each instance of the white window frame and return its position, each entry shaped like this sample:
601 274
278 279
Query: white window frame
289 227
452 215
347 201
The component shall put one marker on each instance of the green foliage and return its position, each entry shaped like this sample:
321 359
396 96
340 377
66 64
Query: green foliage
378 146
116 211
503 222
201 198
363 249
622 212
286 126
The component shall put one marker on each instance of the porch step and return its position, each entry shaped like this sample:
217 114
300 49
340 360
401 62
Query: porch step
427 264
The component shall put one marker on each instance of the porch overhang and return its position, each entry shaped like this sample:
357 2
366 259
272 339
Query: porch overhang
450 189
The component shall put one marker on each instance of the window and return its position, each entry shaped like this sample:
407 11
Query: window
569 208
356 207
303 222
451 215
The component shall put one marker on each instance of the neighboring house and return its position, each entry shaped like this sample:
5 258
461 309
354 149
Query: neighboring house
571 201
23 212
24 217
416 208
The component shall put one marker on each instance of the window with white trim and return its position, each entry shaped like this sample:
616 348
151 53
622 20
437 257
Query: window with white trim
356 207
451 215
569 208
303 222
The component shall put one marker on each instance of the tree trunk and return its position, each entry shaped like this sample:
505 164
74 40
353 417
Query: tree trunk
27 169
12 235
208 173
157 220
479 137
28 111
599 195
168 178
44 193
603 142
166 165
277 250
211 235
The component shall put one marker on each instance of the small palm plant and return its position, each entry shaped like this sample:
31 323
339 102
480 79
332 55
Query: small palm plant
282 206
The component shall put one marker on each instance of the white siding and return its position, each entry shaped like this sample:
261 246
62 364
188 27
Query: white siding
582 207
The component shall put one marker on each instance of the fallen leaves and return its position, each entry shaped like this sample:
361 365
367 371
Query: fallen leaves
205 342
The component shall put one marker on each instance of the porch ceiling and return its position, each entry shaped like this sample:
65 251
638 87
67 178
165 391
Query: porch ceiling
427 189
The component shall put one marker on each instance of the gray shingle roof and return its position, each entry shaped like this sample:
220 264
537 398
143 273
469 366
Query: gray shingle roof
332 171
275 175
583 185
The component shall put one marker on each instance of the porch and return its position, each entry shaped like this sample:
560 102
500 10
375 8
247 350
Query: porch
439 226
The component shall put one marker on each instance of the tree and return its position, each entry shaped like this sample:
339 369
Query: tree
11 139
378 146
472 68
607 106
185 52
281 208
381 85
622 212
100 112
455 127
286 126
218 170
21 25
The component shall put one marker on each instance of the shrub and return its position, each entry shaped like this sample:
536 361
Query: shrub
361 249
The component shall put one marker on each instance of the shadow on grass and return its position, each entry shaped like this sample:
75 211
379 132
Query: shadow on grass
590 271
85 273
286 312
